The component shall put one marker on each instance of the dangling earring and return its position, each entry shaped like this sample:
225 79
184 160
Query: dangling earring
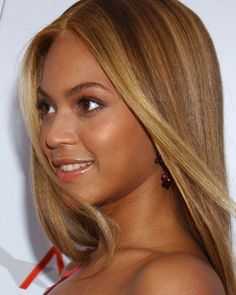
166 178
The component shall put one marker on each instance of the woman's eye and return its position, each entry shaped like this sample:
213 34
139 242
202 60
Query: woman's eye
45 108
86 104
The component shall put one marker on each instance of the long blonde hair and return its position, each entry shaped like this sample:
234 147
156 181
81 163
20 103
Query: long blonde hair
161 60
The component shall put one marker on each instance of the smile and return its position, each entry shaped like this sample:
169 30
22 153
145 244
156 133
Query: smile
68 172
72 167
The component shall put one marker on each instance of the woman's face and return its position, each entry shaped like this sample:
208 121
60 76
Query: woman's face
91 139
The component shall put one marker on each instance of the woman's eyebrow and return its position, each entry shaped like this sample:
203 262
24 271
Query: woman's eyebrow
43 93
75 89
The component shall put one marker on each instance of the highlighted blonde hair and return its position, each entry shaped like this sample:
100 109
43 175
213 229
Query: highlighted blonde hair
161 60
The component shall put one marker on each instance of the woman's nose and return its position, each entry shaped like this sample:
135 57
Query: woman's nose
62 131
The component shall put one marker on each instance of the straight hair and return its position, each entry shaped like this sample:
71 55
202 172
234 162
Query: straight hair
162 62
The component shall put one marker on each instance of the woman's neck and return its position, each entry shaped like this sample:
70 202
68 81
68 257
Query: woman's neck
147 220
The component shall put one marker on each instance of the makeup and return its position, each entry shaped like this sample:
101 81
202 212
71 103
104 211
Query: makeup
67 173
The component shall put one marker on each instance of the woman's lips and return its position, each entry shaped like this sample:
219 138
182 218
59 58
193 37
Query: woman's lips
68 176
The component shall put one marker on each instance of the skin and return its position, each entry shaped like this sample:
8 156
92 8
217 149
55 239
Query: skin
124 181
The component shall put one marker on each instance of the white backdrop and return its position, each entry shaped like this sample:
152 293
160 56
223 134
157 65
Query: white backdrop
22 244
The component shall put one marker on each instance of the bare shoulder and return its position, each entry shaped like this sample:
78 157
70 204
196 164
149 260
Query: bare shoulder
177 274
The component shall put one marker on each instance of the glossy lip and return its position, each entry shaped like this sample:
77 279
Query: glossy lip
69 176
65 161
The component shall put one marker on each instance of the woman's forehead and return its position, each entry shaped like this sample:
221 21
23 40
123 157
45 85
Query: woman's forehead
69 63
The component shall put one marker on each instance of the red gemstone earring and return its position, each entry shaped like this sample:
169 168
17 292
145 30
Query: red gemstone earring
166 178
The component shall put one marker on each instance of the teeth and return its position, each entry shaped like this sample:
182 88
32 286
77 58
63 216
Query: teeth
71 167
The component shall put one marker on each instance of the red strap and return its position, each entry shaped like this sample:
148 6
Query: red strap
69 273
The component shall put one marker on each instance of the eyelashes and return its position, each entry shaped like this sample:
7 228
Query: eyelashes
84 105
43 107
87 102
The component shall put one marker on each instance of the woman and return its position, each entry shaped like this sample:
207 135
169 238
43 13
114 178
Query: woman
123 103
